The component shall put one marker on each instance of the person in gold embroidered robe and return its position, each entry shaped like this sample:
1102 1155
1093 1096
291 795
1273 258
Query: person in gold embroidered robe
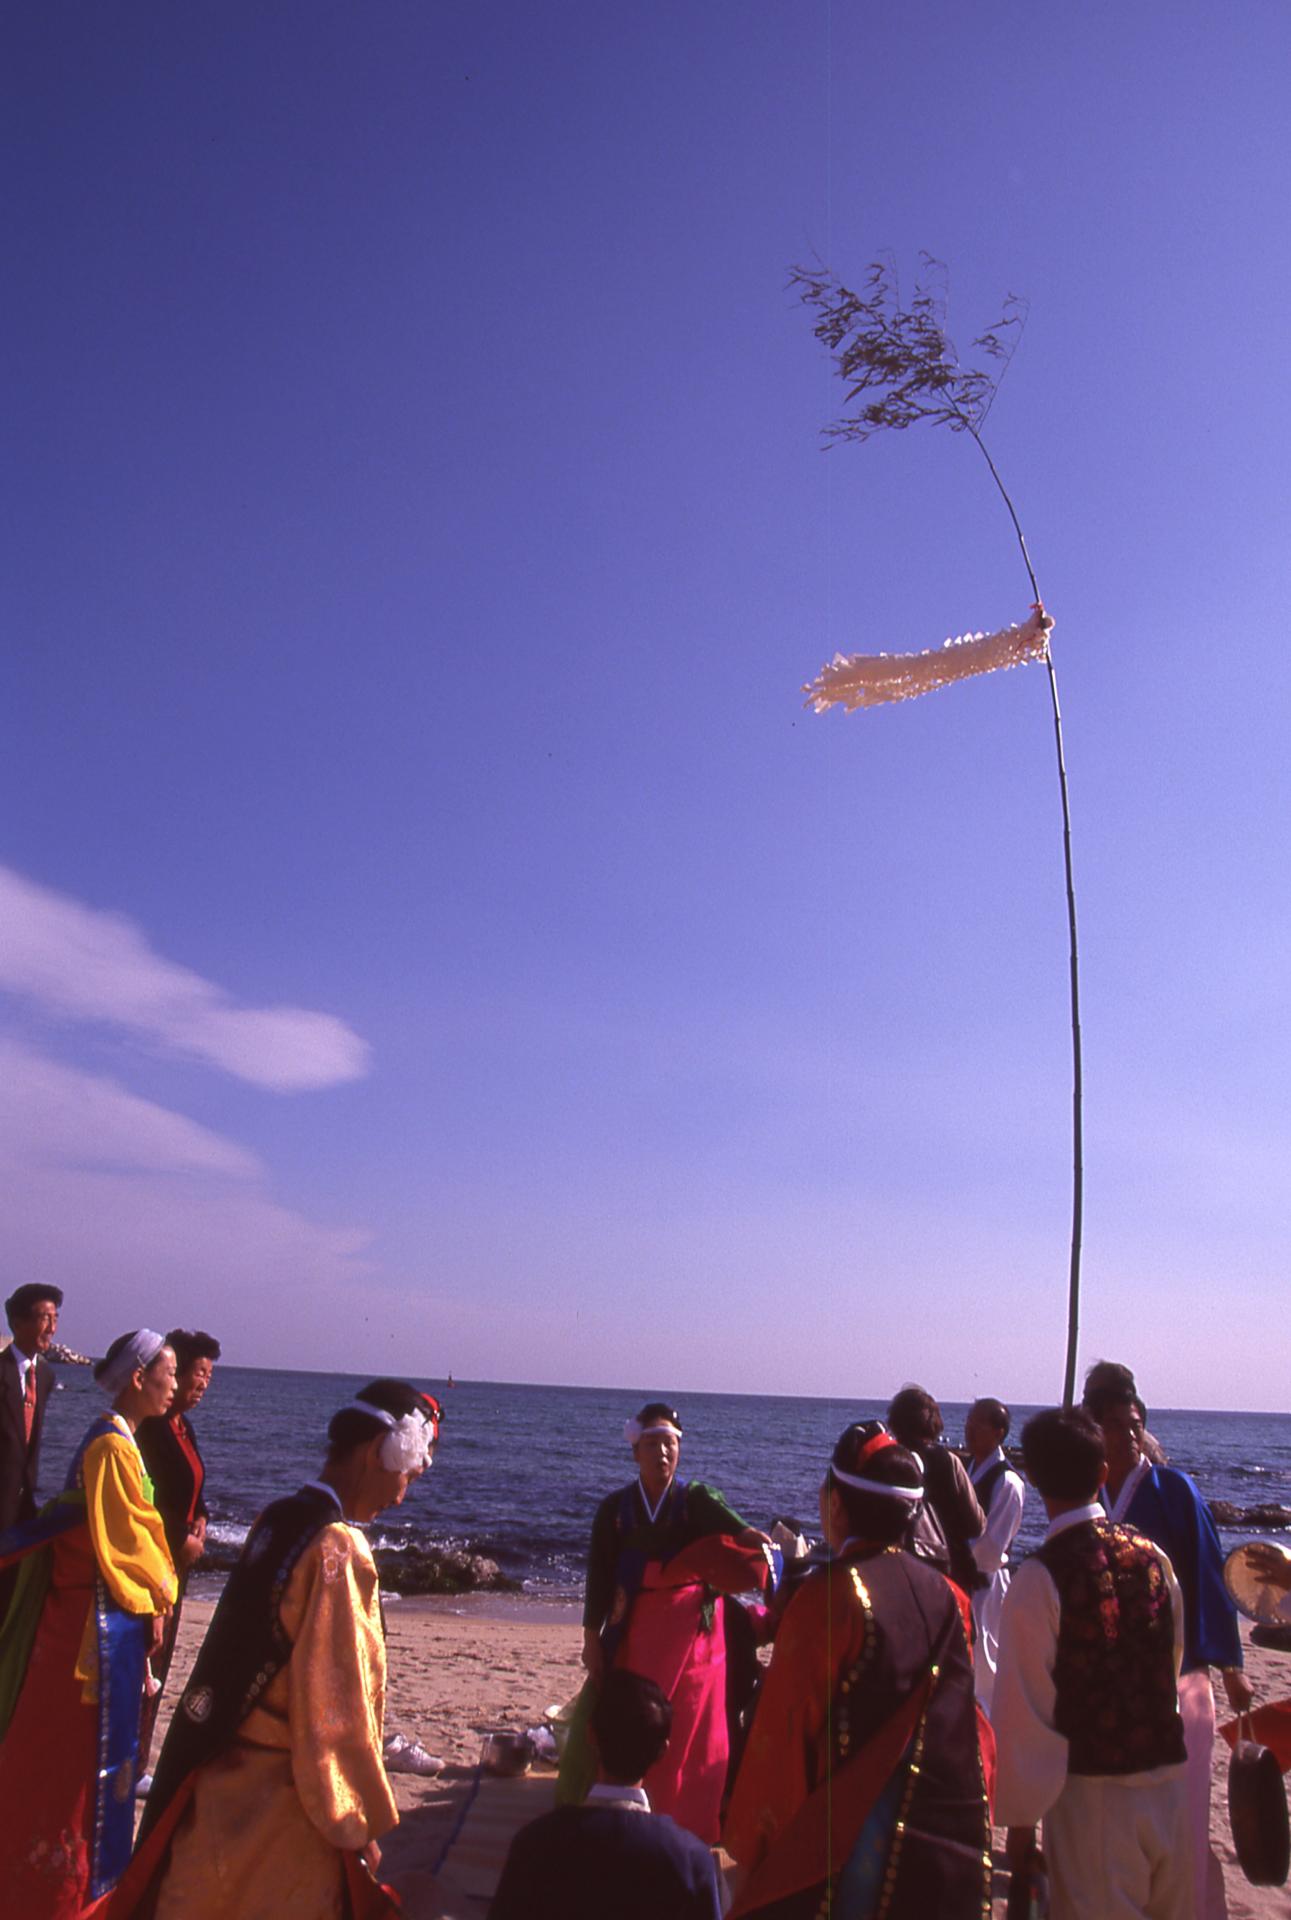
270 1794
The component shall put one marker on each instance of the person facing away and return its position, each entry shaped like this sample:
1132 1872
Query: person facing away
914 1419
1001 1495
1085 1711
862 1788
1167 1506
612 1856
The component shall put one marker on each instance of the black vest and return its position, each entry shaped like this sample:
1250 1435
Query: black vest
1116 1701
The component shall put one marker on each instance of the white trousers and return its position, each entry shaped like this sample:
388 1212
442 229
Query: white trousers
1118 1847
988 1606
1197 1711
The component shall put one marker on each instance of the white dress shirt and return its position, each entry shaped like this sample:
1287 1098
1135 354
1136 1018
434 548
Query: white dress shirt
24 1362
990 1549
608 1793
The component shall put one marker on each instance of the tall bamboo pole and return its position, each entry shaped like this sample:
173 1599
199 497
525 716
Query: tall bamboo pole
1077 1075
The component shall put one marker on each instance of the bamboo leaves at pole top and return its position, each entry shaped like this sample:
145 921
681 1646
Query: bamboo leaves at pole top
901 369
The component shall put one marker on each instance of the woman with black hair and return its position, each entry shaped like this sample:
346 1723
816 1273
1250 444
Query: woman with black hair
862 1788
271 1793
174 1463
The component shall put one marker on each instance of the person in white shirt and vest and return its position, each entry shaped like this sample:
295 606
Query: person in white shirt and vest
26 1382
1001 1496
1086 1709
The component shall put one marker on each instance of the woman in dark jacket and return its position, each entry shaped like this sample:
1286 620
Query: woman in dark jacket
174 1465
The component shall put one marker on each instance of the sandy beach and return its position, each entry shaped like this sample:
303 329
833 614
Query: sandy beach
465 1668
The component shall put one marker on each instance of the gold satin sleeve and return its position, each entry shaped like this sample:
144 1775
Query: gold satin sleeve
336 1685
126 1530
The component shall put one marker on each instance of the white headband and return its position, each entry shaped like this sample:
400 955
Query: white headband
908 1496
140 1350
408 1441
634 1431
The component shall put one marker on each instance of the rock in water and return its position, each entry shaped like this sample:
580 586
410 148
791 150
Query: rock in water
1267 1518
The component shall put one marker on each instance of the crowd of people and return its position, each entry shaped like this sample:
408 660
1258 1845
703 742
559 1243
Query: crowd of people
915 1686
920 1689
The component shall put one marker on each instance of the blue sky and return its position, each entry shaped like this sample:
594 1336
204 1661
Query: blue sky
433 931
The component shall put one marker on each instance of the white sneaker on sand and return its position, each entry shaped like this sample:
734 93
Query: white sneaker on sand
403 1755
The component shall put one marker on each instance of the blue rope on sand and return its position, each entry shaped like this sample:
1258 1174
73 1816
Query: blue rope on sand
460 1821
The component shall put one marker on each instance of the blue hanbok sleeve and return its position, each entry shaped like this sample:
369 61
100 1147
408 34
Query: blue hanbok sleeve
1170 1509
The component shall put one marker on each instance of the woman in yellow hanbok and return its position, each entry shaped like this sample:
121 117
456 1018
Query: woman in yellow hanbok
95 1581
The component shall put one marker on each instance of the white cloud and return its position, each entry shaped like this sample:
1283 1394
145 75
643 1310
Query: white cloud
82 963
145 1217
53 1116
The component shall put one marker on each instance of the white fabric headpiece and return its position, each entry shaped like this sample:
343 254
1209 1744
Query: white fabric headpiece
407 1444
140 1350
634 1431
908 1496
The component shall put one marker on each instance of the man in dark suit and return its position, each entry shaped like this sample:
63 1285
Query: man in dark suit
612 1856
26 1382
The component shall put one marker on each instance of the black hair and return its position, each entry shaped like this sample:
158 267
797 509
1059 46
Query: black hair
871 1516
631 1721
654 1412
192 1346
1064 1454
1110 1376
351 1428
1112 1392
995 1413
915 1417
24 1299
123 1340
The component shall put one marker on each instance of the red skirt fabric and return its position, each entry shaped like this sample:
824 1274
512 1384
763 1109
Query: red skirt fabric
665 1642
49 1755
1271 1726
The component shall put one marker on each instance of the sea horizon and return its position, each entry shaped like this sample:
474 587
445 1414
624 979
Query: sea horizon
521 1465
676 1392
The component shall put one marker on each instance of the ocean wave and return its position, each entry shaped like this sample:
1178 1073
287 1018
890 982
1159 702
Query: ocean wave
408 1567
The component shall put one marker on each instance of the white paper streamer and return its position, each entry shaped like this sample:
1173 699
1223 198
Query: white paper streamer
874 679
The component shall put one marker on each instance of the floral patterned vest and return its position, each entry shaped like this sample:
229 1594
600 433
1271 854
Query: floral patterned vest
1116 1699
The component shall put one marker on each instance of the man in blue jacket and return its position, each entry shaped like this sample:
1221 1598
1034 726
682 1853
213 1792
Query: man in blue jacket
612 1855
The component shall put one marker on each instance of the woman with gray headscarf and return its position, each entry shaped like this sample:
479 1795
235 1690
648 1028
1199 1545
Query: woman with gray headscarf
95 1581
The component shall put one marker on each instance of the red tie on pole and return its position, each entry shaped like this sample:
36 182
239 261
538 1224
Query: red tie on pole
29 1399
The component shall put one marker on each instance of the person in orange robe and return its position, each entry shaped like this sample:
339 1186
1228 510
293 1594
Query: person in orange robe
95 1580
863 1788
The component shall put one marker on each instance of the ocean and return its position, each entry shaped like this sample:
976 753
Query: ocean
519 1469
